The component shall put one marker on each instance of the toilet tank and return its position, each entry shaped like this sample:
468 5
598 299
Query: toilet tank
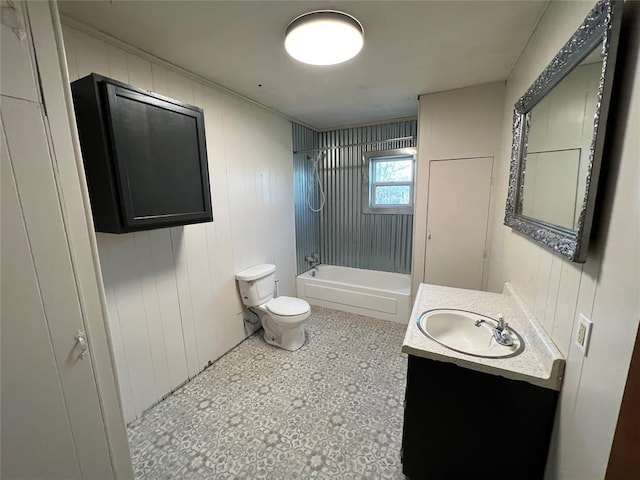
257 284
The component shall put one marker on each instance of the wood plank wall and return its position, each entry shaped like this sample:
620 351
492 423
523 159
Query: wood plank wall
171 293
605 288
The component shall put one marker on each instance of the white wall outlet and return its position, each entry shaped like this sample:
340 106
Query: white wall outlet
583 333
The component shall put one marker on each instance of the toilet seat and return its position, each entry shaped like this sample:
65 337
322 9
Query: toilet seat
287 309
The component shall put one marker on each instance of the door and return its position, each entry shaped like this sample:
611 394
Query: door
624 461
51 417
51 414
457 216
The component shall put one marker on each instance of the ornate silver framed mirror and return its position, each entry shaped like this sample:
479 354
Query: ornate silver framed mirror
558 136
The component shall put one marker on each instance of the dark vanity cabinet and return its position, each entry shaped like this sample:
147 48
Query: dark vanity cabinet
144 155
464 424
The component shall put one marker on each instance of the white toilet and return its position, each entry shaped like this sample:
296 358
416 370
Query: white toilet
282 317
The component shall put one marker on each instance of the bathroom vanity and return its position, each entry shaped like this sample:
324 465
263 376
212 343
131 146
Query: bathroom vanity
474 417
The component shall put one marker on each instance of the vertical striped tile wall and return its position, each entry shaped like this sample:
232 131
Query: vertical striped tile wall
307 221
347 236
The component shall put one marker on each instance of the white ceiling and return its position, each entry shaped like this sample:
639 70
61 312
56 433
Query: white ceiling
410 48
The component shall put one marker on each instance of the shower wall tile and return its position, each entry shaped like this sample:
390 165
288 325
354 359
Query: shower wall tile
340 232
307 221
349 237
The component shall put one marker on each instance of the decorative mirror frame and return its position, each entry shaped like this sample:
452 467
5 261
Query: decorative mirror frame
601 26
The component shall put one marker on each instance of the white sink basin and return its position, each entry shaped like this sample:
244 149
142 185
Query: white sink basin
459 330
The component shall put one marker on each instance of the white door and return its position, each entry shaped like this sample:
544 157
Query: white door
51 417
457 215
51 414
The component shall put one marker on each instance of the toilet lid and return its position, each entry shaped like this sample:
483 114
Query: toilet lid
287 306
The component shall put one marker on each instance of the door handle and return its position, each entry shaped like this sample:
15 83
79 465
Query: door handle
81 343
429 235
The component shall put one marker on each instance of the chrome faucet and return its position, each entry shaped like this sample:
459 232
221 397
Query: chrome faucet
313 259
501 332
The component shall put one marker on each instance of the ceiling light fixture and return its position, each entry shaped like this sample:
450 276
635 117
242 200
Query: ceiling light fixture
324 37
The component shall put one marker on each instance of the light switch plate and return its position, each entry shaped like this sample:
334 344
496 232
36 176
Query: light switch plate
583 333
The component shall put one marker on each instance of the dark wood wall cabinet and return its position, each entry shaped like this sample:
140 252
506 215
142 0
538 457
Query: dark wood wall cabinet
145 157
464 424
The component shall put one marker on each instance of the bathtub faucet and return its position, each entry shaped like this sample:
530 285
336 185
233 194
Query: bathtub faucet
313 259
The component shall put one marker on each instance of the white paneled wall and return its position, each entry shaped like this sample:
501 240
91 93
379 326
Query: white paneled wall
605 288
458 124
171 293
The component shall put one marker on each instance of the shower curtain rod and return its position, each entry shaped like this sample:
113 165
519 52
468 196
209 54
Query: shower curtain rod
410 137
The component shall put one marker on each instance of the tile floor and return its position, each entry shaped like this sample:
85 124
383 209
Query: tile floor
332 409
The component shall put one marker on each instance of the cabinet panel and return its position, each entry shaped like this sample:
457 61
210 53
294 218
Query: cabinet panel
33 412
145 157
460 423
31 165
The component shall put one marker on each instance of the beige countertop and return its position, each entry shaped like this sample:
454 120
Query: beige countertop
541 363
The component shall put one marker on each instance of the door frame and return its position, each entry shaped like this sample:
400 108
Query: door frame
485 260
623 459
50 61
421 214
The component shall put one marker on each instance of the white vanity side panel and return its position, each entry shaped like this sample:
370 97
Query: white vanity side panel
605 288
172 299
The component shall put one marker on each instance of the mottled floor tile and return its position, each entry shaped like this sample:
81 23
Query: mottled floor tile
331 410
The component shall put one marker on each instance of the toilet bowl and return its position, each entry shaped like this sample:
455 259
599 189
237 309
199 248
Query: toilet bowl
282 318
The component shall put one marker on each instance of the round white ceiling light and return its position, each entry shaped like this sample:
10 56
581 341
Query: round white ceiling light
324 37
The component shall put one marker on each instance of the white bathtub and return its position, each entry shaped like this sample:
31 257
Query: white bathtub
376 294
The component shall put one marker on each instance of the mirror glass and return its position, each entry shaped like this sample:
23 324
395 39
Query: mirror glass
556 153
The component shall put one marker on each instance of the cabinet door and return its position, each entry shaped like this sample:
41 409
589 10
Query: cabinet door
33 411
51 415
160 155
60 412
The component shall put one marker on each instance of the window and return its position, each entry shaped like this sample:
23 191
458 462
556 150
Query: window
388 181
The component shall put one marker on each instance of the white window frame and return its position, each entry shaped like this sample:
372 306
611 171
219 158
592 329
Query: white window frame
369 185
